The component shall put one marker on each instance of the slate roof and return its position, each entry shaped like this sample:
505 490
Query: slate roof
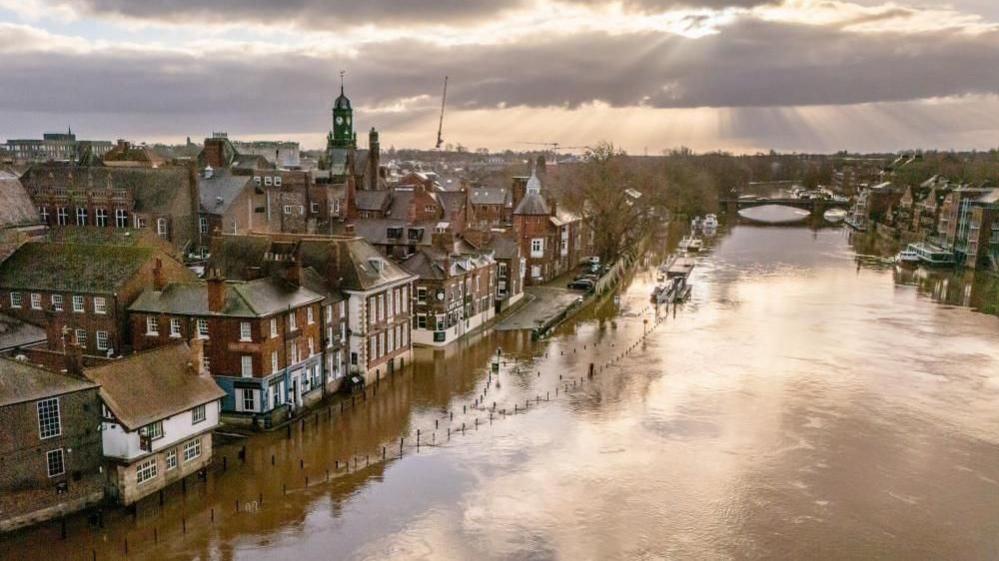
219 191
489 196
532 204
248 299
17 209
21 382
152 385
504 247
452 201
72 267
16 333
373 200
375 230
424 266
356 267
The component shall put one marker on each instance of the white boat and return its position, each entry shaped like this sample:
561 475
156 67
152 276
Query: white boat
907 257
710 221
695 224
835 215
695 245
932 255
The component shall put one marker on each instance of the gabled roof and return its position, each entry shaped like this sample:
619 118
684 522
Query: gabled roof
452 201
17 209
16 333
504 247
424 266
73 267
245 299
21 382
154 189
375 230
363 268
152 385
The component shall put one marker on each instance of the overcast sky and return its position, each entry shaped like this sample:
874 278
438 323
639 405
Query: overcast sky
739 75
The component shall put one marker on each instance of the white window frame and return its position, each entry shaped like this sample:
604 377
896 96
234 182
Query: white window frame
62 216
36 301
274 328
16 300
537 247
81 216
175 329
145 471
62 462
101 217
56 300
310 317
192 450
170 459
202 325
100 305
199 414
152 325
120 218
292 321
245 331
79 304
246 366
103 340
81 338
275 362
46 417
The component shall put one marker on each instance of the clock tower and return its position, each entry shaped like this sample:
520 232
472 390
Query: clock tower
342 135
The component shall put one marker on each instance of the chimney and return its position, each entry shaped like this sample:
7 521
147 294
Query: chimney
197 362
159 282
374 159
74 355
519 190
443 241
216 291
293 273
553 205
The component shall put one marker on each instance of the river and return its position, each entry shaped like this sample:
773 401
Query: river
802 405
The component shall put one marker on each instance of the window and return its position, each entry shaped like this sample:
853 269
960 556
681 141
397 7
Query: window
81 216
192 450
309 316
203 224
121 218
57 302
249 400
245 333
36 301
161 227
277 181
294 353
174 327
100 305
198 415
81 338
43 212
49 424
538 247
62 216
140 222
268 180
77 304
55 462
102 340
314 208
274 332
256 179
292 321
405 336
171 459
206 363
101 217
335 207
145 471
246 366
312 346
535 271
15 300
421 321
152 431
275 366
152 325
203 328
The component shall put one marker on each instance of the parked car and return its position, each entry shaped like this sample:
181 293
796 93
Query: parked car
588 276
581 284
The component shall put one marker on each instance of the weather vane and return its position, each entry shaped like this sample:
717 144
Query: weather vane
342 72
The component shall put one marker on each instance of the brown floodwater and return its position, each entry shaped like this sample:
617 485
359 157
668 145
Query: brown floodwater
801 405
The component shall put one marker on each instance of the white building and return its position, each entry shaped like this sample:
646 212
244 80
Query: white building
159 410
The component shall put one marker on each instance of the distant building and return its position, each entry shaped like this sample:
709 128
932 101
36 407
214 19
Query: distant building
50 445
127 155
159 409
282 154
552 240
162 200
56 147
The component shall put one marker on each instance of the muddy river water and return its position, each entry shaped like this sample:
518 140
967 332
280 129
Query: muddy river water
800 406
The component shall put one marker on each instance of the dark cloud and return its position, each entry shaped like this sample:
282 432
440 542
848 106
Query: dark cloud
748 64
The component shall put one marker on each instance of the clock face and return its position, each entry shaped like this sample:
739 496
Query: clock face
339 120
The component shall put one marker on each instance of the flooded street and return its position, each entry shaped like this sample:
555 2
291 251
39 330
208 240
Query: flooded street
799 406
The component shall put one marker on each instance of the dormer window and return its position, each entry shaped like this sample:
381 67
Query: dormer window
376 264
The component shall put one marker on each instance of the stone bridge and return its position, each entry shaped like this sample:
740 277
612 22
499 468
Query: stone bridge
816 207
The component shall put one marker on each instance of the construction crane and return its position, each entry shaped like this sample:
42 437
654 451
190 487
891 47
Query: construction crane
440 125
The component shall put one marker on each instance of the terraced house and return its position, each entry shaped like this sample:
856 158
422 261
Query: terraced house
262 339
83 289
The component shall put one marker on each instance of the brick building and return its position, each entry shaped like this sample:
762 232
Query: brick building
262 338
163 200
50 447
83 289
551 240
492 207
159 409
455 290
376 291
